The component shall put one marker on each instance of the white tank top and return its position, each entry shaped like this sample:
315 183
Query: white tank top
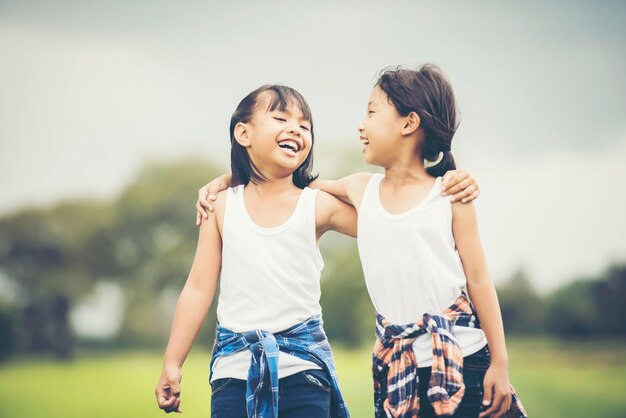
411 265
270 278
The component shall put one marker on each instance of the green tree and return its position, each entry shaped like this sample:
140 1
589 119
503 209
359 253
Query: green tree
349 316
522 309
143 240
591 306
48 255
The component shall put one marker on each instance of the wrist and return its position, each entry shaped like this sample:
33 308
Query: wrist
499 361
172 364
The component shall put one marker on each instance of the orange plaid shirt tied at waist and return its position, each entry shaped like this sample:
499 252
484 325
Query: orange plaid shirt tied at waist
395 367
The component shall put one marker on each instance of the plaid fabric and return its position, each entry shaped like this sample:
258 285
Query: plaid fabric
395 367
306 340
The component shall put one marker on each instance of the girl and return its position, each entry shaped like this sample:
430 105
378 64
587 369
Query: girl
271 353
419 253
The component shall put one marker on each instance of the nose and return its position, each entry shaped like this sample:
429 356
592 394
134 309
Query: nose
360 127
295 130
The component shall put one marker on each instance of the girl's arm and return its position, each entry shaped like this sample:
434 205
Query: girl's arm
482 292
193 304
458 184
334 214
209 192
349 189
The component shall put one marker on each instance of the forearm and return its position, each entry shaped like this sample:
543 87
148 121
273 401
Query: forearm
485 299
191 309
335 187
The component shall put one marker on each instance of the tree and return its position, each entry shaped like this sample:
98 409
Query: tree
349 316
144 241
522 309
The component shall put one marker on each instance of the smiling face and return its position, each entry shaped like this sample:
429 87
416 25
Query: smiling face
381 130
278 140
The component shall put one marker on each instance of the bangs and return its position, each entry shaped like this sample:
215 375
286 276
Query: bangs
283 97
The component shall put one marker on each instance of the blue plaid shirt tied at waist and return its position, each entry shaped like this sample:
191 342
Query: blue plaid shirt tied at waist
306 340
395 367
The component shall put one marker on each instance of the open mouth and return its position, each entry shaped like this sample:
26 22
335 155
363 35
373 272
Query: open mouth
364 140
290 145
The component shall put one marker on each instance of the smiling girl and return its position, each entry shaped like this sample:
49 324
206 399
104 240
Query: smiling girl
271 353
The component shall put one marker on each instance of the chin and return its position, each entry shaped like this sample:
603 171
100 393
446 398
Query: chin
369 159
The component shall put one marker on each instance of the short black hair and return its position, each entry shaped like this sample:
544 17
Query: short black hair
242 167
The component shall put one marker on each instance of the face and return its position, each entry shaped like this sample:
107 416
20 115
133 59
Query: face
279 140
380 131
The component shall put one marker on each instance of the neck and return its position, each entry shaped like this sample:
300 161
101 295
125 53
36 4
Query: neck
406 169
407 164
272 186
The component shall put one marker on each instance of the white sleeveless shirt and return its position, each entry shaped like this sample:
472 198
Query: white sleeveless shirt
270 278
411 265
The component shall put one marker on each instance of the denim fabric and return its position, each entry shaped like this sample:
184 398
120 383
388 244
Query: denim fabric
306 340
474 368
304 394
398 393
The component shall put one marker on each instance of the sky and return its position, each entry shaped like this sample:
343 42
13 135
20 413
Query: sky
90 91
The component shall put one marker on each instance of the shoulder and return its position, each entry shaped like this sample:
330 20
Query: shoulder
325 201
220 200
360 179
356 185
219 207
327 205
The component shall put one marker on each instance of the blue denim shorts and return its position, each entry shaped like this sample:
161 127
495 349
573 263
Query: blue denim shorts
474 368
304 394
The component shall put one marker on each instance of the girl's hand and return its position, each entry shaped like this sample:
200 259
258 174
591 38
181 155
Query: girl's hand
498 392
209 193
460 185
168 389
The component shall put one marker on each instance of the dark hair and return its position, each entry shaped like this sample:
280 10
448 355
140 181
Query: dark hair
427 92
242 167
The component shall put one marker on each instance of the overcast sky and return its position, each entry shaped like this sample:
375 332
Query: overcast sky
91 90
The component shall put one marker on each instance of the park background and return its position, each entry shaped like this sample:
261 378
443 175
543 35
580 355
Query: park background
113 114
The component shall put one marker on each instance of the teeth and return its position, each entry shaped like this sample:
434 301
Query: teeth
364 141
291 145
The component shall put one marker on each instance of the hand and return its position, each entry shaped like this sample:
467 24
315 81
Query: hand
497 392
209 193
168 389
460 185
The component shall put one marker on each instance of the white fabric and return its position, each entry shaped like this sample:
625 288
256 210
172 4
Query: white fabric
270 278
411 265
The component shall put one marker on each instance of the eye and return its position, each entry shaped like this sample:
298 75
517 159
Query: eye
306 128
280 119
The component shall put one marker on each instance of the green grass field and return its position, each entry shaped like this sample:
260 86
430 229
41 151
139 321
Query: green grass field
554 379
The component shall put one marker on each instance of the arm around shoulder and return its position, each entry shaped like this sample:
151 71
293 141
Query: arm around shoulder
349 189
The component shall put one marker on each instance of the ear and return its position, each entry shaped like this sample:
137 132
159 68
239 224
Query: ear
411 123
242 135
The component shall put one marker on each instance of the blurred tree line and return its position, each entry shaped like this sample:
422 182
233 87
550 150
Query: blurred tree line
143 242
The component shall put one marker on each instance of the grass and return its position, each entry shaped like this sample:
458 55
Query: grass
554 379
